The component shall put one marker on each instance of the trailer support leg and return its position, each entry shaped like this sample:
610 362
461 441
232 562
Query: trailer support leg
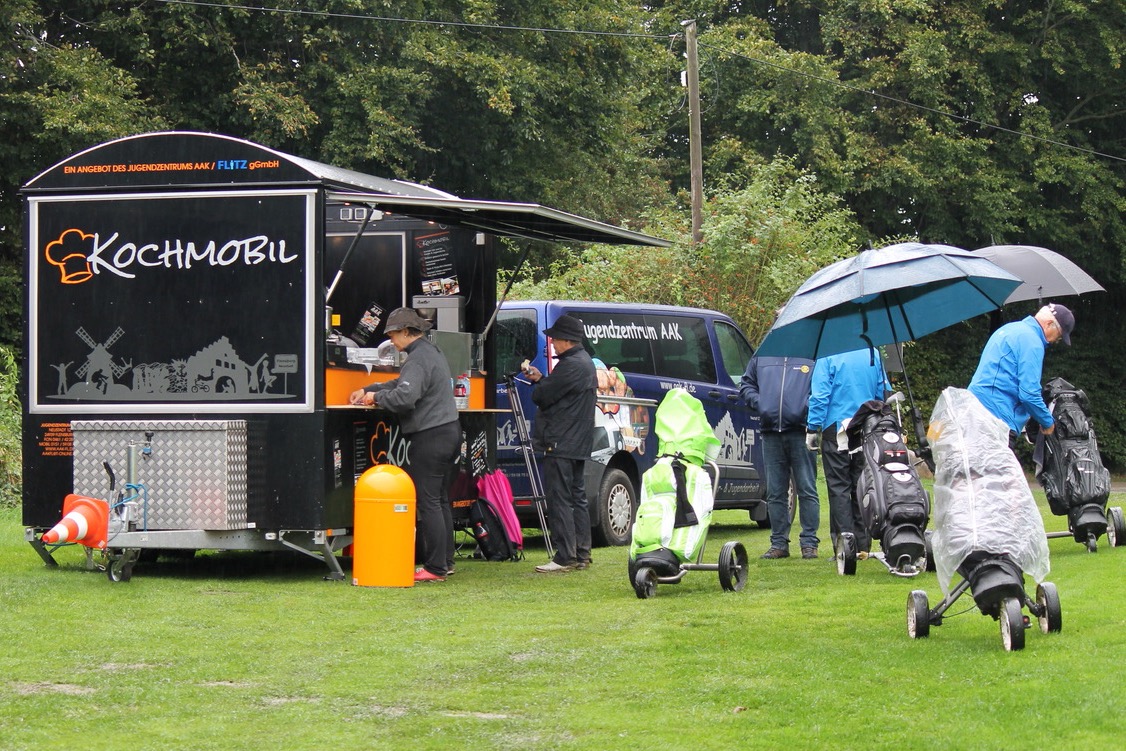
336 573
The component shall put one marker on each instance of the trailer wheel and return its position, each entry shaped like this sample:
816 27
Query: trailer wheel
645 583
846 554
617 502
732 566
1012 624
1051 617
120 567
918 615
1115 526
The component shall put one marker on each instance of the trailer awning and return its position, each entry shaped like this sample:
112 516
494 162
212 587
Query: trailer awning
526 220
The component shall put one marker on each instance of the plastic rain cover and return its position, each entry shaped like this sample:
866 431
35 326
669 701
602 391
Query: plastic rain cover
982 501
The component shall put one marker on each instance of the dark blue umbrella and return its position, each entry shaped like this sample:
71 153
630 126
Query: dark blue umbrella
884 296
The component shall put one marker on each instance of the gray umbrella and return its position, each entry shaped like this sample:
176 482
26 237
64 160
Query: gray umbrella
1045 273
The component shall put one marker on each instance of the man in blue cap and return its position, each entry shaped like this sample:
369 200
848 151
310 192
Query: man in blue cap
1007 380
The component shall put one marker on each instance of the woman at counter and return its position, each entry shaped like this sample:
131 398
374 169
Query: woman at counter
422 398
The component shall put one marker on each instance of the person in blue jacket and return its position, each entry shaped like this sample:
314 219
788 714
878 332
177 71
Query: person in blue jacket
777 390
1007 380
841 383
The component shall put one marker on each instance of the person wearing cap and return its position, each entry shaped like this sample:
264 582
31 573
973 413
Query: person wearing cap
424 402
1007 380
564 433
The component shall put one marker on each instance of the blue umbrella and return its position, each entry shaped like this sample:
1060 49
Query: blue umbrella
884 296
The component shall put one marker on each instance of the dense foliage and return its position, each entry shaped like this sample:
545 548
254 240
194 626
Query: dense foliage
827 126
10 440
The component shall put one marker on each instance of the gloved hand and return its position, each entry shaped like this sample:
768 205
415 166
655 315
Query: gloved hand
813 440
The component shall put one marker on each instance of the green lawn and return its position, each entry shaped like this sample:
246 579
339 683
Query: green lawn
253 651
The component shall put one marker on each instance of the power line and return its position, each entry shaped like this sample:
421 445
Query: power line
922 107
638 35
392 19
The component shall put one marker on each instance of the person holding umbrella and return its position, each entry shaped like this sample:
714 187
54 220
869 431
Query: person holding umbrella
1007 380
841 383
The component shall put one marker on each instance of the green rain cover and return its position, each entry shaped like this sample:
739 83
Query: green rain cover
656 513
683 428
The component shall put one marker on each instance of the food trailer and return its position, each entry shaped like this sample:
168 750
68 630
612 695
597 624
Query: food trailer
198 310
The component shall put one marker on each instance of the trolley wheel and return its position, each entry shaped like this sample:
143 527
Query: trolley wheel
732 566
1048 598
918 615
1115 527
846 554
1012 624
120 567
645 583
930 550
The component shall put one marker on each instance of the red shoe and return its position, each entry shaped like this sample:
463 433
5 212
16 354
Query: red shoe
422 575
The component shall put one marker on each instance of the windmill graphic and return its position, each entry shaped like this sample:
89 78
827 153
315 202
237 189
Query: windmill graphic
99 368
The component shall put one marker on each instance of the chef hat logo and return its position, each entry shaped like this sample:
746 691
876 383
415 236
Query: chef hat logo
69 253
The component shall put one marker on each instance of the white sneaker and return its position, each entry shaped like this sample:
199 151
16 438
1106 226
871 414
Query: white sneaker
553 568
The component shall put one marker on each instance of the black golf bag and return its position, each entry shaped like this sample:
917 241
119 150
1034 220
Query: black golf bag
1069 467
892 500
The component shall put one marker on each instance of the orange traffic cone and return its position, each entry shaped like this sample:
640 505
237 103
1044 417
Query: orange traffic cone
85 520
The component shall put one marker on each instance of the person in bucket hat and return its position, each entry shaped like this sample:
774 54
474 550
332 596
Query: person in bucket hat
1007 380
564 432
422 398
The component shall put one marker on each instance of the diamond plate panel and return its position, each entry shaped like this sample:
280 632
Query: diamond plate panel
195 476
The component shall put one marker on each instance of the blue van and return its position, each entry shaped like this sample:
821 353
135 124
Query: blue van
641 352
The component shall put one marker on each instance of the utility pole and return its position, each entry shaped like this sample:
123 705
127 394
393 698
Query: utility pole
695 151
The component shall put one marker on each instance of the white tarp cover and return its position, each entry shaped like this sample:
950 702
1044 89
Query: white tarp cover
982 501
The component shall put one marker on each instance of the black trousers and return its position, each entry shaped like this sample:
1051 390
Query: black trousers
842 471
430 464
568 513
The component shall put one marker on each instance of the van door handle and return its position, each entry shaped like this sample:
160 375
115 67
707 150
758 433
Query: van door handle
715 394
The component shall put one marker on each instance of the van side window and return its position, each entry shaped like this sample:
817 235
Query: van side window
621 342
517 337
734 350
682 349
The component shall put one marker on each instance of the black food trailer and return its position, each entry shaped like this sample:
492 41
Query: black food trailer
198 309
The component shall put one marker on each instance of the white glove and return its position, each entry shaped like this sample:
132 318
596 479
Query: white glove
813 440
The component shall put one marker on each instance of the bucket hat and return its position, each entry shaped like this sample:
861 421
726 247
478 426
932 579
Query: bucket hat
566 327
405 318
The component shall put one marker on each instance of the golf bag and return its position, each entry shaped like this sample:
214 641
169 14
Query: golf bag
893 503
1068 465
675 510
673 515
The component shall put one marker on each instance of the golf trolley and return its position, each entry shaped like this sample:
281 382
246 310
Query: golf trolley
670 528
663 566
997 586
1071 471
988 528
893 503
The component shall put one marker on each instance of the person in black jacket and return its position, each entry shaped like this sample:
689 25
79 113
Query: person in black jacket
422 398
564 432
777 390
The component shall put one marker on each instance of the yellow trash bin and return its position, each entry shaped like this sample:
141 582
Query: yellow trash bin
383 538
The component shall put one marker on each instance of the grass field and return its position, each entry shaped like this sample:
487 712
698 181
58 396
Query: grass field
256 651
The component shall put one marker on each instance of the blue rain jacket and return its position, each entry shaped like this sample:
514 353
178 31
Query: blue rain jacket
1007 380
841 383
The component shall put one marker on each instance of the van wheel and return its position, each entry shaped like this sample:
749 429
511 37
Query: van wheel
617 503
